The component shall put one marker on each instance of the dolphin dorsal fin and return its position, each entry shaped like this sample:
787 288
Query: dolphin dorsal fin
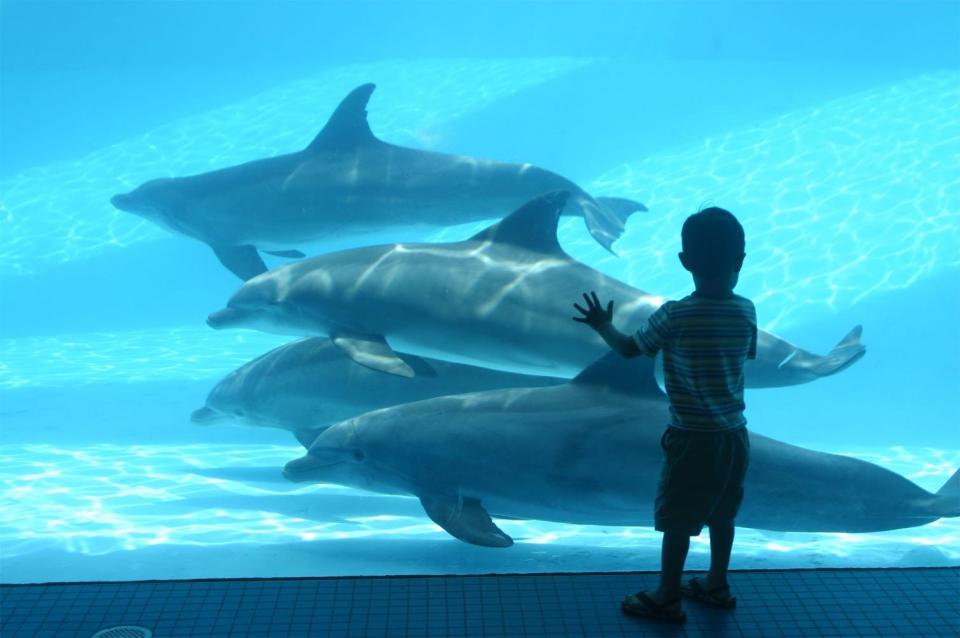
348 125
532 226
633 376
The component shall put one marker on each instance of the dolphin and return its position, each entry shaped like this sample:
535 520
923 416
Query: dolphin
589 452
501 299
308 384
347 183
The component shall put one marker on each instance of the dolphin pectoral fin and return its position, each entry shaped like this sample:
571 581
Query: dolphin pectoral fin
287 254
420 366
372 351
621 207
243 261
466 519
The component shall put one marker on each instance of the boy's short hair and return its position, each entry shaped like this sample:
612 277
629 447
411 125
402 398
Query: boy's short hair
712 241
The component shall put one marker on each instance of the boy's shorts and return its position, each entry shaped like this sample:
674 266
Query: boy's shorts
701 482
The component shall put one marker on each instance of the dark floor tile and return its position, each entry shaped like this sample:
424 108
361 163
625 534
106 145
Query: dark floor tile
776 604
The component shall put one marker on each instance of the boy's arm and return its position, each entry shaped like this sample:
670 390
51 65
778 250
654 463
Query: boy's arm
602 321
618 341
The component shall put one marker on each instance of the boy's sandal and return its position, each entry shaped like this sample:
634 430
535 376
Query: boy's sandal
718 596
640 604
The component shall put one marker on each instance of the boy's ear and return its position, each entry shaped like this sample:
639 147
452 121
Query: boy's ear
684 260
740 262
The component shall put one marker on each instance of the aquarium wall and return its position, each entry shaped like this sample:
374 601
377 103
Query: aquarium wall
329 361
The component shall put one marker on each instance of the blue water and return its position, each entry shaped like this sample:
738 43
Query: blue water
838 149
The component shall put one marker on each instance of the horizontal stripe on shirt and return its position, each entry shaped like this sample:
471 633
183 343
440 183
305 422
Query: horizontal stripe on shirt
705 342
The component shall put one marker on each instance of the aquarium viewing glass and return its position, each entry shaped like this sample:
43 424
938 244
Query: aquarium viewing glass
142 438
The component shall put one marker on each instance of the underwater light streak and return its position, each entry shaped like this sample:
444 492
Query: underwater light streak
73 506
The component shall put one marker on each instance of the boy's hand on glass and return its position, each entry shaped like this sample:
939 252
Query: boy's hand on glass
594 315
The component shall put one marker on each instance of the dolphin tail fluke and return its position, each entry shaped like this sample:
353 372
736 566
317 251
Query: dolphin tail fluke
605 225
621 207
606 217
949 496
243 261
465 518
843 355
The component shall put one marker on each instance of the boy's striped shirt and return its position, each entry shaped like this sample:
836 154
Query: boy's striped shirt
705 341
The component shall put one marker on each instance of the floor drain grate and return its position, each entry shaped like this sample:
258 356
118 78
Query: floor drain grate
124 631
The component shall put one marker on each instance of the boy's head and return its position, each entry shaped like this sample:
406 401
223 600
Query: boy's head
713 245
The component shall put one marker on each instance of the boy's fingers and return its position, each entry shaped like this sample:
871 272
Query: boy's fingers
587 299
581 319
610 308
596 299
577 306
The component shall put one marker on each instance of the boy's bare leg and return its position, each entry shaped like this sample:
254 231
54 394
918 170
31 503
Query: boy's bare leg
673 554
721 544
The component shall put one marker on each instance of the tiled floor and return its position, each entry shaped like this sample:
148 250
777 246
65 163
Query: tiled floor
869 602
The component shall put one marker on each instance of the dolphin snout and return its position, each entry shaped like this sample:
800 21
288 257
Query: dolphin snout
122 202
226 318
206 416
323 459
305 468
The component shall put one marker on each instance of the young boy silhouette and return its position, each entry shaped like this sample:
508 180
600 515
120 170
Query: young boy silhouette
705 338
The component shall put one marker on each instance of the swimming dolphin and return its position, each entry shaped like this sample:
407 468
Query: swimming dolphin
348 182
308 384
501 299
588 452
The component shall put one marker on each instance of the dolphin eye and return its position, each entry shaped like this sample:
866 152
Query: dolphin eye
358 455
